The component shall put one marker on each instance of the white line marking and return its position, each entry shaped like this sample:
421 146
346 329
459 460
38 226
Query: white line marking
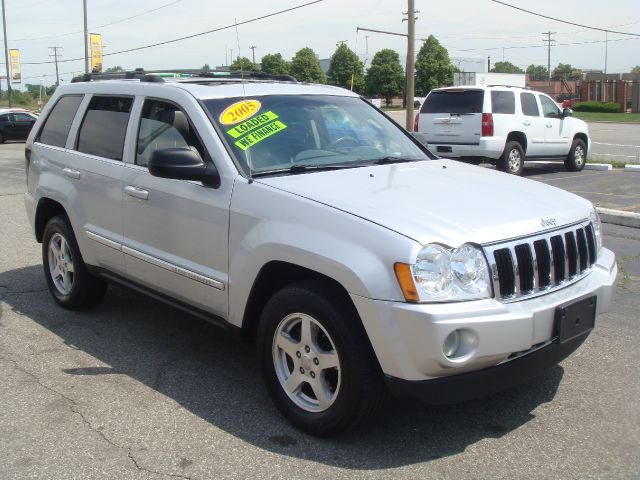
615 144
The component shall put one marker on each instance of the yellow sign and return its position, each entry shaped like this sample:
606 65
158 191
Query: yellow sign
14 59
252 124
260 134
95 41
239 111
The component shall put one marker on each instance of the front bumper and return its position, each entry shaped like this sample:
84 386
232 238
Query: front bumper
467 386
408 338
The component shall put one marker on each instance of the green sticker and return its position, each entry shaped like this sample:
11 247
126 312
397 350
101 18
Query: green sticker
252 124
260 134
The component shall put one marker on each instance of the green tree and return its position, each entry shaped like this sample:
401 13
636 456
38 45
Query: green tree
205 68
564 71
344 67
274 64
242 63
305 67
433 67
636 70
506 67
537 72
385 75
115 69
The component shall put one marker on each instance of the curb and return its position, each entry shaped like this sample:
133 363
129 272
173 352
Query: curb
619 217
598 166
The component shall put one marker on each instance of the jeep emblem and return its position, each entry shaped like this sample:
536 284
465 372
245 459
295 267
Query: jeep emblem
548 222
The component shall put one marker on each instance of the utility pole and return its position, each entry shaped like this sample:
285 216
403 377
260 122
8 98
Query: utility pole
55 59
253 53
86 40
6 56
410 73
606 49
488 63
549 42
232 55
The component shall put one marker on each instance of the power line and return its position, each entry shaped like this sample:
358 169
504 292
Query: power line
538 46
565 21
100 26
186 37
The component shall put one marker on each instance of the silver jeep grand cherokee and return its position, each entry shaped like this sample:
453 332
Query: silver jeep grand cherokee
303 216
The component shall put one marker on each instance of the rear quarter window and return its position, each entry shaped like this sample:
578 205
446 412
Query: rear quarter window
56 128
454 101
503 102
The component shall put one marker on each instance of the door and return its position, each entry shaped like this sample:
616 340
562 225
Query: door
452 116
23 124
94 167
7 126
556 140
533 124
175 231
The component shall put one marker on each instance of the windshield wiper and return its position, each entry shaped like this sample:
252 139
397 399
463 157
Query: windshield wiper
304 167
391 159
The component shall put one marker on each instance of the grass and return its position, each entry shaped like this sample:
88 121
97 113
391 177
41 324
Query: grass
608 117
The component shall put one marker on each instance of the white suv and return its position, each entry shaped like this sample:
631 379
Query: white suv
304 217
503 125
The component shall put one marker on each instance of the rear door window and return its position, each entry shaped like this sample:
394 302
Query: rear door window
56 127
503 102
529 105
454 101
104 127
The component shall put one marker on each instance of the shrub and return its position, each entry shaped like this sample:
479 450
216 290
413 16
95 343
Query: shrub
604 107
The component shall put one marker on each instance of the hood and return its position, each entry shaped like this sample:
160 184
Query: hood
440 200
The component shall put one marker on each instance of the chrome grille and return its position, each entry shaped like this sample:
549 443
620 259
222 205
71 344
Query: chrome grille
541 263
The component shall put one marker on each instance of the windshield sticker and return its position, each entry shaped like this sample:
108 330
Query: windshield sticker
252 124
239 111
260 134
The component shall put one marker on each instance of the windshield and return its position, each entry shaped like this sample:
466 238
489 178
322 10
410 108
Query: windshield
281 133
458 101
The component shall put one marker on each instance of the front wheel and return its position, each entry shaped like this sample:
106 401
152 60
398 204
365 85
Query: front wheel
512 159
68 279
316 361
577 156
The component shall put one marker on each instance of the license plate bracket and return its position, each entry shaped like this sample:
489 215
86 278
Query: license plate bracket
575 319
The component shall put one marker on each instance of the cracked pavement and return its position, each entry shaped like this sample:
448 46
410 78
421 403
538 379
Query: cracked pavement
137 390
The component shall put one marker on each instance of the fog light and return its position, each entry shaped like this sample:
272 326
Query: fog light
451 344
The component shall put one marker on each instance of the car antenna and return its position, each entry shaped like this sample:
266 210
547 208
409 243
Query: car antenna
244 98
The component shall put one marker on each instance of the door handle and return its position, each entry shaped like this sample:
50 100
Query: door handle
136 192
549 125
527 123
69 172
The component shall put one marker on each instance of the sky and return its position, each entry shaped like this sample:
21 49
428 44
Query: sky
470 29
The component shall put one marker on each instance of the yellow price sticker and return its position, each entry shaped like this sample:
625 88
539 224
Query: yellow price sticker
239 111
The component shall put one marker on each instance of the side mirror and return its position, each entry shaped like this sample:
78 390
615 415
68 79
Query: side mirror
183 164
567 112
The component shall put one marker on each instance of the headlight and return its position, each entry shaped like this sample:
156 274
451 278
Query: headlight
597 227
443 274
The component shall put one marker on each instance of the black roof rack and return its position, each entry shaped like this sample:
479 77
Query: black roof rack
195 75
508 86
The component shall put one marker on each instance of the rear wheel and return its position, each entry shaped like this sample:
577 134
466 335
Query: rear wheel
68 279
512 159
577 156
318 366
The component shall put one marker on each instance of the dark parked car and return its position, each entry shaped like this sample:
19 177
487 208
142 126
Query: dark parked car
15 125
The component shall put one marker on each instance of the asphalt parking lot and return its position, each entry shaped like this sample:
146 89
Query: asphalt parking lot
137 390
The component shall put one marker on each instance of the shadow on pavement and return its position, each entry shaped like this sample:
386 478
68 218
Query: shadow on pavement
218 380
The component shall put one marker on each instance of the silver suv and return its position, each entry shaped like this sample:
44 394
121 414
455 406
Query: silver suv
302 216
502 125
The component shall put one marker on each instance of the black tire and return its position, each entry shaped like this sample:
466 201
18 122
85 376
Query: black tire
512 159
83 290
1 138
357 383
577 156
